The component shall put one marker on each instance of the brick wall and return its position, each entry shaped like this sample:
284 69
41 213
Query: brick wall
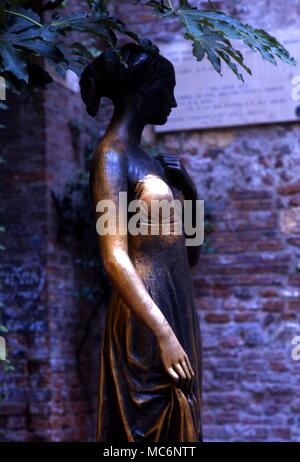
23 264
36 274
247 288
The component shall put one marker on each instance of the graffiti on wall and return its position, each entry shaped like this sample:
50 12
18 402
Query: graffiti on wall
21 284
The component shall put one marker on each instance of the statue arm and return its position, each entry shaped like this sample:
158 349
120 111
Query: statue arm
108 179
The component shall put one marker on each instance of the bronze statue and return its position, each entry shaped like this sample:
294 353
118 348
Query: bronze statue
150 372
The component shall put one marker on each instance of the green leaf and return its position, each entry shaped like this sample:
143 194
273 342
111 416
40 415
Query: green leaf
256 39
49 33
80 49
41 48
22 18
159 7
19 35
83 22
211 32
24 37
74 21
13 61
3 329
78 56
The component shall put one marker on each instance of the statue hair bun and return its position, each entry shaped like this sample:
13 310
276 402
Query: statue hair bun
110 72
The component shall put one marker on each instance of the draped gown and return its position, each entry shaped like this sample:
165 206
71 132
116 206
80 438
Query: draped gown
138 401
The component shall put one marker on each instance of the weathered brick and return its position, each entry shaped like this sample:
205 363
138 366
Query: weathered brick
275 306
288 189
217 318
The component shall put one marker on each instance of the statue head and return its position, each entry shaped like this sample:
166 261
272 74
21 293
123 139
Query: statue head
133 76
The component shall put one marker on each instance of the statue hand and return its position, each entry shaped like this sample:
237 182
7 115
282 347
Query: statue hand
175 360
169 161
178 175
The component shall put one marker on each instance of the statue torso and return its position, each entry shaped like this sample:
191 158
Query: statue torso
140 165
147 182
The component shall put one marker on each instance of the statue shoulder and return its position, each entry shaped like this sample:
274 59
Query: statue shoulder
109 156
108 170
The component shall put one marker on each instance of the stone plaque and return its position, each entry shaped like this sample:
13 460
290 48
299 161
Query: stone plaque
207 100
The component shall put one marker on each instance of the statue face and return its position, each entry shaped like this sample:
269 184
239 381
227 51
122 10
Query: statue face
160 99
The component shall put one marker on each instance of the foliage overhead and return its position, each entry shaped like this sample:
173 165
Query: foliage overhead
211 32
25 38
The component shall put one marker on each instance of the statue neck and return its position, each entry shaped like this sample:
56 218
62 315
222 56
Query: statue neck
126 126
